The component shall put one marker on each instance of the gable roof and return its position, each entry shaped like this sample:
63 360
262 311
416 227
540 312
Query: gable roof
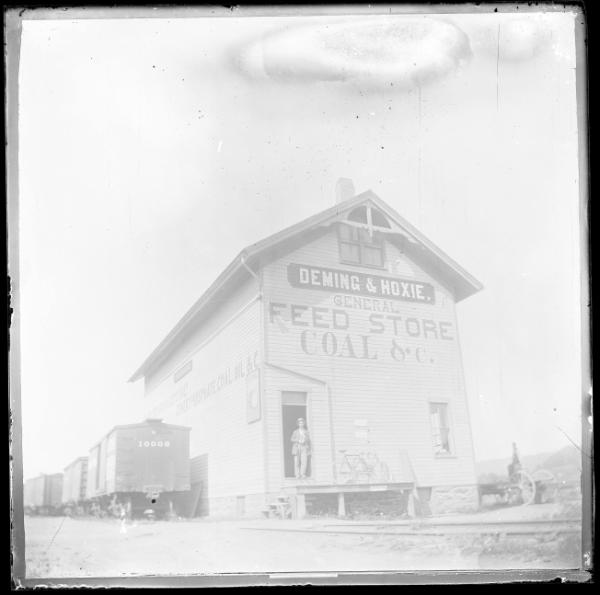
426 253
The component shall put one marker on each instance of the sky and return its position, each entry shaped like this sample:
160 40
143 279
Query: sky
152 150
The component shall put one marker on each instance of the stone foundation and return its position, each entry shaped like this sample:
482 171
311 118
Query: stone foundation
452 499
431 501
238 507
388 504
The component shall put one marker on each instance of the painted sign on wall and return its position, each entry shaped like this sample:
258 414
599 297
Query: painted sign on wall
315 277
227 376
336 332
197 390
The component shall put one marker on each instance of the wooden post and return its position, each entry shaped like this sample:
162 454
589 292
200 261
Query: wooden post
411 508
294 505
341 504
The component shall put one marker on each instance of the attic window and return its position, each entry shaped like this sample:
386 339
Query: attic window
361 215
357 246
378 219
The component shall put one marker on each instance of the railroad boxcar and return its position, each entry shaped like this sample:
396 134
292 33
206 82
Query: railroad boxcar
140 467
43 494
74 485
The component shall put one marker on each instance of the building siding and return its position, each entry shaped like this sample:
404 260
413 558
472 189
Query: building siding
391 396
196 334
211 397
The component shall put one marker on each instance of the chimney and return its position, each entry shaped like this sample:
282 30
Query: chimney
344 189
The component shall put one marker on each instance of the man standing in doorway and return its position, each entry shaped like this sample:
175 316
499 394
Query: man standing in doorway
300 449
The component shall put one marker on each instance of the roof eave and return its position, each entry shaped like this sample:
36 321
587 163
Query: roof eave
474 283
234 266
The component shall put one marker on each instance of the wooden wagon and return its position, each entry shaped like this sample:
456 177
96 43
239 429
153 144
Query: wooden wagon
522 488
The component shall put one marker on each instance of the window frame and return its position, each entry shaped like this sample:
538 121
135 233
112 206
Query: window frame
358 227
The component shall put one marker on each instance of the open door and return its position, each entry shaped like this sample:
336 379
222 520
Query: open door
293 406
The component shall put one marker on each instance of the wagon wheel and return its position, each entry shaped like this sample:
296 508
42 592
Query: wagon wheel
526 487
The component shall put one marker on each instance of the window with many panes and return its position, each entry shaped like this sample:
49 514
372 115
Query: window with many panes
357 246
440 428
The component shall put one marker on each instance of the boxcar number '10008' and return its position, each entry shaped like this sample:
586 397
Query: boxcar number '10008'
153 443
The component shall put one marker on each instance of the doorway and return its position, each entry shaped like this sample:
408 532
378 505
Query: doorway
293 406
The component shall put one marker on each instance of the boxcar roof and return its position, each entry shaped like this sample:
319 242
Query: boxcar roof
462 283
42 476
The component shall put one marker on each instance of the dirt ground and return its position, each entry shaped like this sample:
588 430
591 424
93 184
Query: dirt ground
62 547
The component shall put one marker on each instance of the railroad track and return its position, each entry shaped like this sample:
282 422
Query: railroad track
426 529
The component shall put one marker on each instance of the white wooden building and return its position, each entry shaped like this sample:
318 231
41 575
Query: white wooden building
348 320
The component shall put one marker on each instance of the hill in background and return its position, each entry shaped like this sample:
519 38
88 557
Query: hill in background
564 464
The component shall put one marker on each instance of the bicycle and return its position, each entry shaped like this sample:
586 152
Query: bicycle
363 467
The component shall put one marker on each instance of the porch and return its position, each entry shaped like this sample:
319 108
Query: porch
298 492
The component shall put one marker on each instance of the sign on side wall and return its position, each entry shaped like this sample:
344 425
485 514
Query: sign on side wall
191 392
